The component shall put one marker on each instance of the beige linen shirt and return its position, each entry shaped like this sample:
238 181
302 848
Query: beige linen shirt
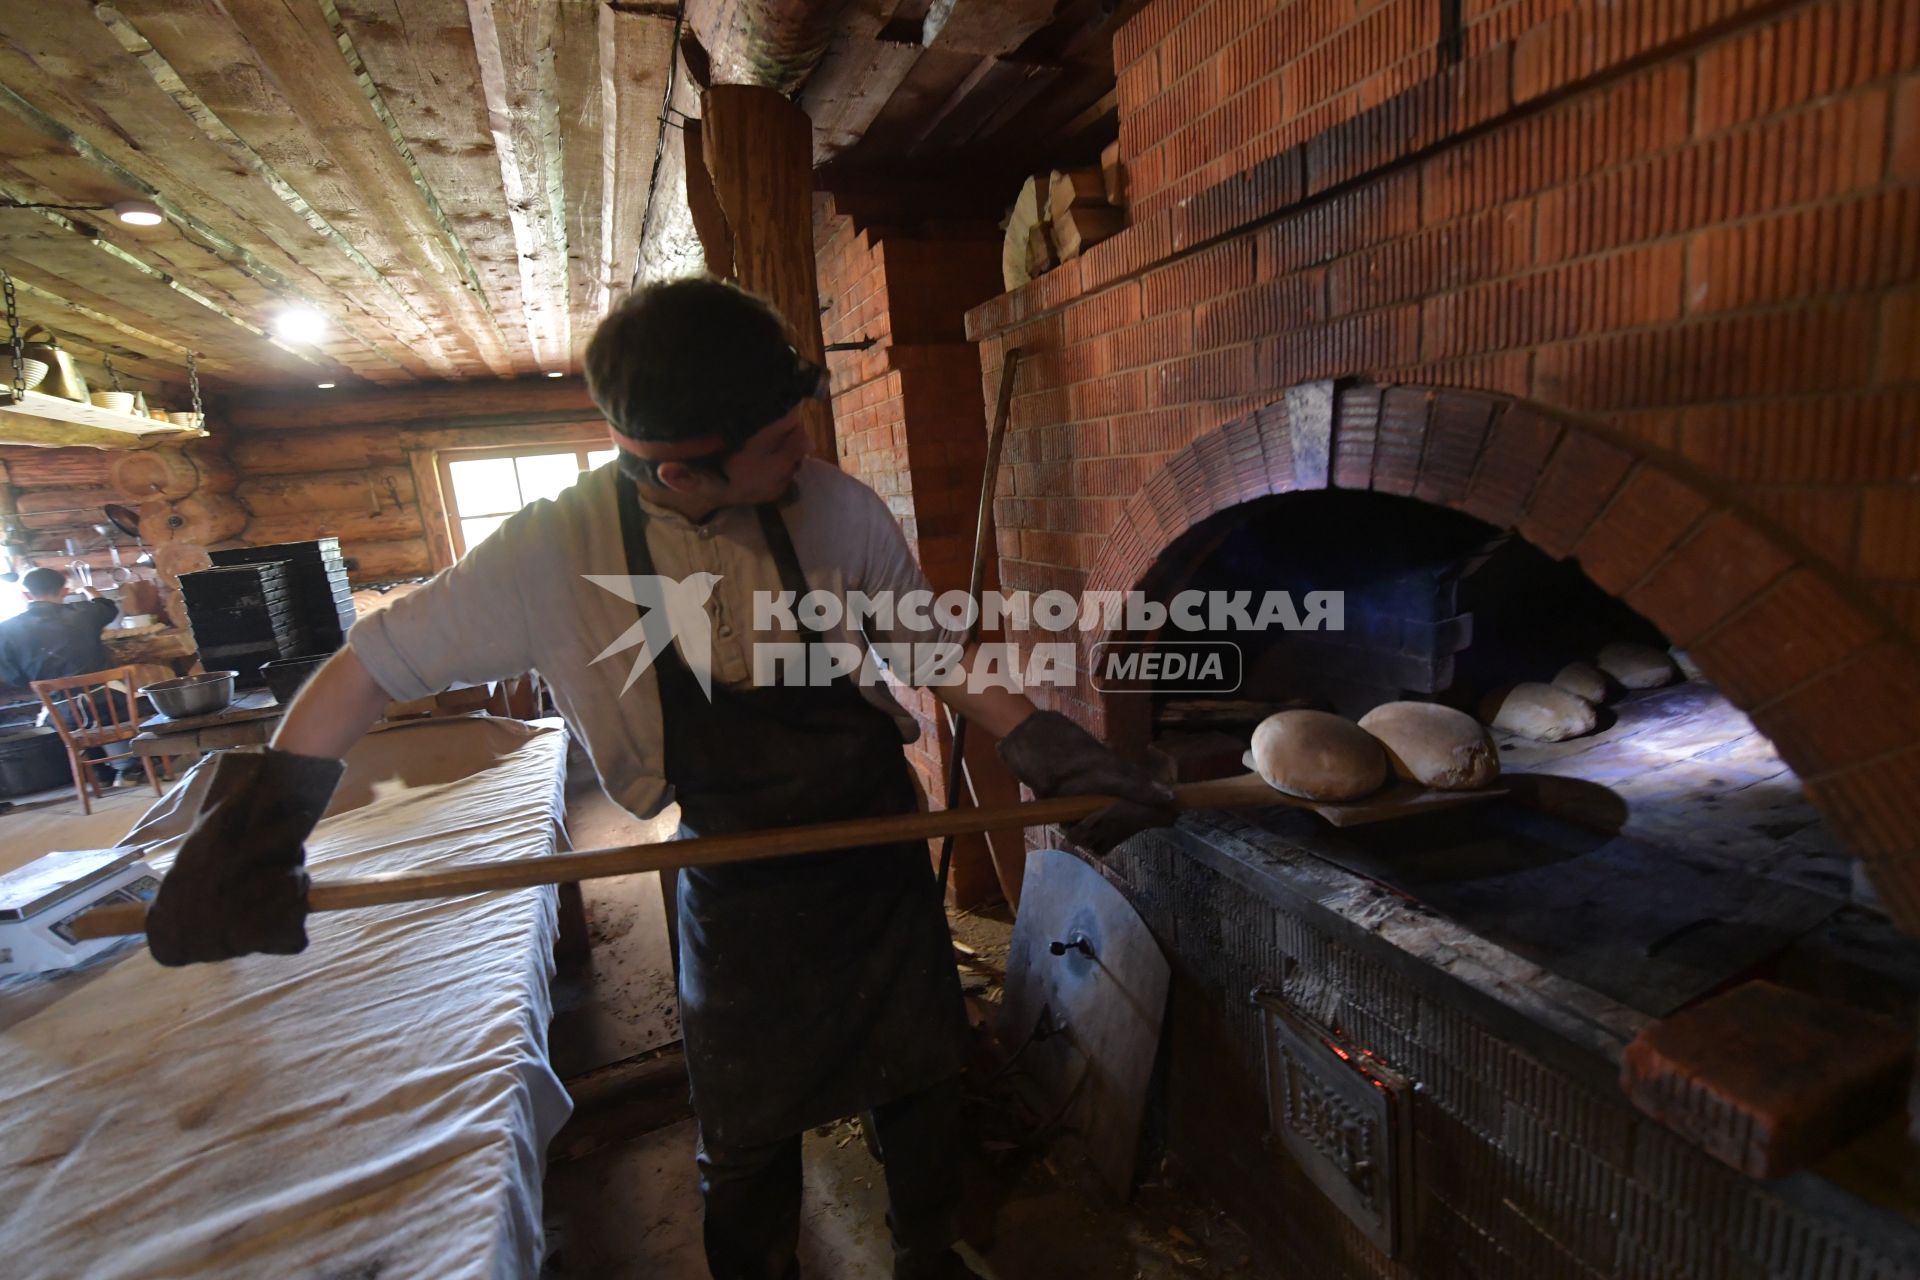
521 601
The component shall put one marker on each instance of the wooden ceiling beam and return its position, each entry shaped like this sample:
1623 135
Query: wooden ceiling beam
81 254
68 273
854 81
73 82
589 95
514 42
419 56
643 51
405 407
263 79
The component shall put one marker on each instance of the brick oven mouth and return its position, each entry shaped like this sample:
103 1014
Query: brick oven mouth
1664 855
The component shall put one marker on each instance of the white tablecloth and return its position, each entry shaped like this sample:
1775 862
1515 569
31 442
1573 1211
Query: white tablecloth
378 1106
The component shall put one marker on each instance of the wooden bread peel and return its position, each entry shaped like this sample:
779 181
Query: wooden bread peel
1398 801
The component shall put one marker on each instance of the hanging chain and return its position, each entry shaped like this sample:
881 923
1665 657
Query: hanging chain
113 374
193 384
13 338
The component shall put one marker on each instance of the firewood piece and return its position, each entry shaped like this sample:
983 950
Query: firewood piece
1040 256
1768 1079
1113 175
1069 189
1080 229
1017 253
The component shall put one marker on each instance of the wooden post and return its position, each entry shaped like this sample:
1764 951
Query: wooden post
12 538
757 149
433 507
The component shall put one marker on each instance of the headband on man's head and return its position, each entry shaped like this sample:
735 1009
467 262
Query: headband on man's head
807 381
668 450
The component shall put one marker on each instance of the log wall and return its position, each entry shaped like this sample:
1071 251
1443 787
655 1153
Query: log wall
58 494
361 467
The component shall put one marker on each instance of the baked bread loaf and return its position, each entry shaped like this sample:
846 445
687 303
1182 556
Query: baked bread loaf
1582 680
1433 745
1637 666
1318 756
1538 711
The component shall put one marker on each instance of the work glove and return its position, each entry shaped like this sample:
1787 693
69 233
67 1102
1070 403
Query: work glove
1056 757
239 884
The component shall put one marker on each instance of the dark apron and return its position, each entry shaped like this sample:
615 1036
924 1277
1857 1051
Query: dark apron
811 987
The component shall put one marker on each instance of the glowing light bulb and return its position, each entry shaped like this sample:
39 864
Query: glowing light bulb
300 324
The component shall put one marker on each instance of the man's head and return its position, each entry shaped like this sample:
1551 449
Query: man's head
44 584
703 390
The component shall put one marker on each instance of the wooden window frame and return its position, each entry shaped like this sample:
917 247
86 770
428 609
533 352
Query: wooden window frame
451 544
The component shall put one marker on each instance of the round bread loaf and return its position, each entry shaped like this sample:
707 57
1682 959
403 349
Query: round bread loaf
1435 746
1582 680
1636 666
1539 711
1318 756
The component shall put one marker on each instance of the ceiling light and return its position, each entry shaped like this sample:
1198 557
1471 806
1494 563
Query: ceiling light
300 324
139 213
324 386
556 373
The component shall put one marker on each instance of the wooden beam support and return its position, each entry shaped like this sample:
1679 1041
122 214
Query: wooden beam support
758 150
991 28
420 60
853 82
515 46
433 507
427 403
643 51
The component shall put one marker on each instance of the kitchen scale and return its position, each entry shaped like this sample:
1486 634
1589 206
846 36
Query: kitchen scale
39 901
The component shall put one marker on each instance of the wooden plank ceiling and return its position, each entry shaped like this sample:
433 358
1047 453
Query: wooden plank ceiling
455 185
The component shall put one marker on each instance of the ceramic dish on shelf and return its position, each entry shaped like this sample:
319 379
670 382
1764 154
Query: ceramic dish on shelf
113 401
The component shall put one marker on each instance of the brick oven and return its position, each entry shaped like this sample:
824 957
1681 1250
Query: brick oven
1632 287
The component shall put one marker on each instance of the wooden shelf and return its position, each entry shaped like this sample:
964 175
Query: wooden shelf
54 420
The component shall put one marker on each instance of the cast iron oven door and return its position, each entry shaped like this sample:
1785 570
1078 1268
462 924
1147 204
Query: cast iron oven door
1343 1116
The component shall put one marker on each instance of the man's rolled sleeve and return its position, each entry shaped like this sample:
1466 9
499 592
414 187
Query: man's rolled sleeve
469 624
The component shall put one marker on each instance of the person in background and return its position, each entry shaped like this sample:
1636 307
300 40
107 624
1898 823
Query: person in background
54 638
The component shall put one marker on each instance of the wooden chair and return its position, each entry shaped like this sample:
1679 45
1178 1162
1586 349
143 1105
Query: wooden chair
92 710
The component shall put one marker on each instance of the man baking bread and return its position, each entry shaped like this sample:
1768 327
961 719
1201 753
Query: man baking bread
811 988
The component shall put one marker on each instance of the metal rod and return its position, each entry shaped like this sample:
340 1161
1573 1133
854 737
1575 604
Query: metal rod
976 579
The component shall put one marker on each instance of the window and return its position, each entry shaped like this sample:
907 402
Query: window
485 486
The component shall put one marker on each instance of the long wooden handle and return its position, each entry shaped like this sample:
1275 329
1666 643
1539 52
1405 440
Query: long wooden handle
706 851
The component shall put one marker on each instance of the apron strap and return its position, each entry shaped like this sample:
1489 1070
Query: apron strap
773 527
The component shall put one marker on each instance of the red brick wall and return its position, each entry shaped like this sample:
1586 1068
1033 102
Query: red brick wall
910 422
1695 223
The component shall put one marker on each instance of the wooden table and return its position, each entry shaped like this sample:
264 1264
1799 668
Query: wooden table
252 717
248 721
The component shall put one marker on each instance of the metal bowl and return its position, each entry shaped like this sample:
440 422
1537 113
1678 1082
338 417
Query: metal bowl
200 695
